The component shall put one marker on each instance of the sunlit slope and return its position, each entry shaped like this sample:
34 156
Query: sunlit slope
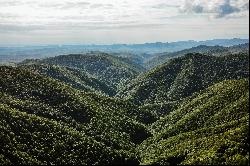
209 128
181 77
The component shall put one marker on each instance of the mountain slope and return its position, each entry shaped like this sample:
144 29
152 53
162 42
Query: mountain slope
113 71
29 139
181 77
203 49
209 128
109 121
74 77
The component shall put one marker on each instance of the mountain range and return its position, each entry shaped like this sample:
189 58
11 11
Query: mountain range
12 54
93 108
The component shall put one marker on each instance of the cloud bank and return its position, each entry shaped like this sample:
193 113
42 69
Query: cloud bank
217 8
119 21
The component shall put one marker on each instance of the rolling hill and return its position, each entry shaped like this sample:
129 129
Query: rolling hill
181 77
72 76
108 70
203 49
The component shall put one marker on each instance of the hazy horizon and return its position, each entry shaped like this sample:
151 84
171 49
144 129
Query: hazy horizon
89 44
36 22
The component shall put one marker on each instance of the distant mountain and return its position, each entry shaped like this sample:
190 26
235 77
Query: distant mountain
210 129
17 54
108 70
224 42
239 48
209 50
181 77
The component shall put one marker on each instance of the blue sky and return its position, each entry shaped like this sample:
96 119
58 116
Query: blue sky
120 21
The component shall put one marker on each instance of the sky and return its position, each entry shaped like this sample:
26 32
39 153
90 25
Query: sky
120 21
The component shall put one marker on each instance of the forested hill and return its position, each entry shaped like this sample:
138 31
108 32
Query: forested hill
211 128
181 77
111 71
98 109
77 78
46 121
203 49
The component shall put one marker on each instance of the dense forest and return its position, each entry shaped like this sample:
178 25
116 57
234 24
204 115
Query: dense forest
185 107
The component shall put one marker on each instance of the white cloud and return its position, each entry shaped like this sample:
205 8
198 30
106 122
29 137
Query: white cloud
48 12
96 18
